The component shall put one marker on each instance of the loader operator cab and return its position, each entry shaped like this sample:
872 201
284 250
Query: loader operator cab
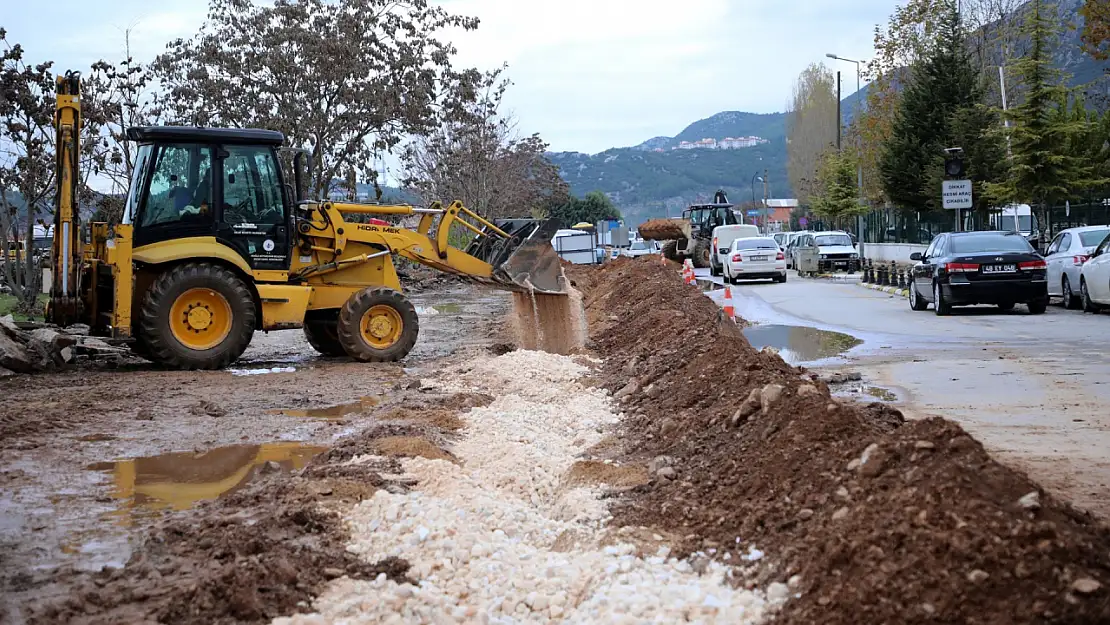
705 217
212 182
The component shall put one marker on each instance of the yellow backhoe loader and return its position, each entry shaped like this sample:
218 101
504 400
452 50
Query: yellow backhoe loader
215 243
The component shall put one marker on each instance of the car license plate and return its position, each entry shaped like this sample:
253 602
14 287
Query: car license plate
758 258
999 268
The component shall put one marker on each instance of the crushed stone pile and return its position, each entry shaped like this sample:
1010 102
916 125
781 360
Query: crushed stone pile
882 521
502 537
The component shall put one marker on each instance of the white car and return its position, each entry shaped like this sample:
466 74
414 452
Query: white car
834 248
753 258
1094 278
723 236
1065 257
641 248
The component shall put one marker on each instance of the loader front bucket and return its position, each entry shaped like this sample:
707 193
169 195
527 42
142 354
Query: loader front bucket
527 260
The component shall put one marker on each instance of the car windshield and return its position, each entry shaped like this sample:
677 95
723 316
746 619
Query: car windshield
1024 222
990 242
755 244
834 239
639 245
1092 238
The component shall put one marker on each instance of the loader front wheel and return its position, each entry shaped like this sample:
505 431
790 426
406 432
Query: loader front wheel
702 253
321 330
197 316
670 251
378 324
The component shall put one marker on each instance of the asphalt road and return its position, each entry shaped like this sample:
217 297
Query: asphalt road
1033 389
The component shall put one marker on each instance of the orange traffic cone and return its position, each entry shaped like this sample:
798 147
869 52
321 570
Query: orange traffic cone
662 259
688 270
730 310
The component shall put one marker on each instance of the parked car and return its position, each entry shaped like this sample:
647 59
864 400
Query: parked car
1065 257
834 248
791 242
1094 278
641 247
967 268
723 236
753 258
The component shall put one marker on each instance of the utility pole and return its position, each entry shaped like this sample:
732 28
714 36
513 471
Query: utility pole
859 139
766 196
838 118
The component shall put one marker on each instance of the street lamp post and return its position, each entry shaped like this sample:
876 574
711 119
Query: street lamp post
859 162
755 177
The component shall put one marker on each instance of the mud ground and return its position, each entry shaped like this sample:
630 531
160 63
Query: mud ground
77 447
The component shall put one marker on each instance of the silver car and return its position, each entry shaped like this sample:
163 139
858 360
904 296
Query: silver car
1065 257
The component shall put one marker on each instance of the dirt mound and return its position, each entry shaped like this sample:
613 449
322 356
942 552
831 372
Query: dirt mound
883 521
597 473
411 447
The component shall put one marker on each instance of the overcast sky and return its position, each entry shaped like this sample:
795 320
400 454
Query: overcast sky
588 74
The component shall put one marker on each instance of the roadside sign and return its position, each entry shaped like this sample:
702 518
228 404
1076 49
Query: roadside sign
803 222
753 213
957 194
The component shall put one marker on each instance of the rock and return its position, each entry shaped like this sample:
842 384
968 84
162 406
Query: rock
658 463
748 407
13 356
630 388
667 473
630 366
842 492
331 572
978 576
208 408
144 414
805 390
1085 586
805 513
840 514
794 581
831 407
413 386
924 445
1030 501
6 372
928 608
854 464
872 465
769 395
668 425
652 391
269 467
778 592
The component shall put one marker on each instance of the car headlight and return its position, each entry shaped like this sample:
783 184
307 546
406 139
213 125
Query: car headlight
854 256
824 256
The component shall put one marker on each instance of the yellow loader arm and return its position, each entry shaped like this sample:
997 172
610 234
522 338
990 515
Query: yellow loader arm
515 255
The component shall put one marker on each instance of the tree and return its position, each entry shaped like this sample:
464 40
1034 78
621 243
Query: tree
811 128
1096 29
943 83
906 38
350 78
26 163
116 97
975 128
1042 171
837 196
594 207
480 159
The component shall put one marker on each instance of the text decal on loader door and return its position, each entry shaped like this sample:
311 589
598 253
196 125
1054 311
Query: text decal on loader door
371 228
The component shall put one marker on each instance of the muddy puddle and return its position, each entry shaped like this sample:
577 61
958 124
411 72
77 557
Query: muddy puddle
798 344
337 411
180 480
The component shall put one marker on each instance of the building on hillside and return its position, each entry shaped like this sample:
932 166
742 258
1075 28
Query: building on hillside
728 143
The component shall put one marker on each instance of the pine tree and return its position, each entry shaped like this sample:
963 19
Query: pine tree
1043 170
943 83
837 196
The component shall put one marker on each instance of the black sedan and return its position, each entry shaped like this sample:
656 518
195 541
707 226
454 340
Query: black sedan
966 268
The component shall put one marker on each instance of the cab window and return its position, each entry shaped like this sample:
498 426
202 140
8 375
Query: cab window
252 189
180 187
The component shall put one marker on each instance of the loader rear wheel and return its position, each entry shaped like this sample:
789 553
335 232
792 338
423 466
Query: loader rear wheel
702 253
197 316
670 251
378 324
321 330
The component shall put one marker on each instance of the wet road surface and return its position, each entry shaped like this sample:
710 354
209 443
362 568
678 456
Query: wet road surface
1033 389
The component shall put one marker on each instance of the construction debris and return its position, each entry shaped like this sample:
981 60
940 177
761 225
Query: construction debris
41 349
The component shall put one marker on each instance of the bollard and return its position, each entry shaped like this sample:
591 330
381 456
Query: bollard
863 270
884 275
893 274
901 278
869 273
879 271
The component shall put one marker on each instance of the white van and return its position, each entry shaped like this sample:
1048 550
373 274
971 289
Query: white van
723 236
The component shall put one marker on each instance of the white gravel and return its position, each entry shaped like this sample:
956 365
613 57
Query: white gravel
502 539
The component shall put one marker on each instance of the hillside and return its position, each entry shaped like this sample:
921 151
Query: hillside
644 183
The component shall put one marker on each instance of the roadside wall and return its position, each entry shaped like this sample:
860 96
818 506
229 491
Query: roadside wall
886 252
